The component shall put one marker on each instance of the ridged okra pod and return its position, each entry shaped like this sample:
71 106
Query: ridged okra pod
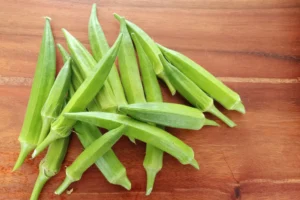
168 114
141 131
99 46
56 99
154 156
151 50
85 64
129 70
205 80
109 164
50 165
82 97
189 90
42 83
77 80
89 156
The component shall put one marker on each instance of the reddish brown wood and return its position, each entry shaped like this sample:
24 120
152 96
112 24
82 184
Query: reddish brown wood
242 40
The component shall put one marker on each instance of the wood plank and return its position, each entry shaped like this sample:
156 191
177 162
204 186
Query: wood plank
219 39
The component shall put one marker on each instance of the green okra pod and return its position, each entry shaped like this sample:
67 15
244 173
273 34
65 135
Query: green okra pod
82 97
150 82
42 83
205 80
85 63
50 165
99 46
129 70
77 80
151 50
97 103
141 131
189 90
168 114
154 157
56 99
109 164
89 156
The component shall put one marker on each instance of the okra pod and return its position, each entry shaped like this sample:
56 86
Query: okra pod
42 83
50 165
82 97
85 63
97 103
205 80
89 156
141 131
56 99
129 70
109 164
150 82
153 160
168 114
99 48
189 90
151 50
77 80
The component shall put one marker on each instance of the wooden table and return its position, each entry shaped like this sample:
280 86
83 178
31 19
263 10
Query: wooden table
253 46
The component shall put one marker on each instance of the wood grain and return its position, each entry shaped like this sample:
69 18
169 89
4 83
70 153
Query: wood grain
254 46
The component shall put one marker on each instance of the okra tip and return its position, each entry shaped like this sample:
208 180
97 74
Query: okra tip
132 140
151 174
25 150
164 77
195 164
239 107
94 6
47 18
118 17
124 182
209 122
65 32
148 191
46 142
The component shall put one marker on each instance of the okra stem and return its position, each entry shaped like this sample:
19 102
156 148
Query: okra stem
50 165
39 184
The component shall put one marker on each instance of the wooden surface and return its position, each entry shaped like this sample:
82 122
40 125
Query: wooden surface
254 46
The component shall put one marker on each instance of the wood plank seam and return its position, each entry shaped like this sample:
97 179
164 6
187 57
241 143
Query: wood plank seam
22 81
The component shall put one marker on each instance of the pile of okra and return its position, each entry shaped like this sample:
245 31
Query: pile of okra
89 92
